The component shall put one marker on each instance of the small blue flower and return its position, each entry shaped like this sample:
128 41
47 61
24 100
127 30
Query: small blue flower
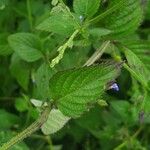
114 86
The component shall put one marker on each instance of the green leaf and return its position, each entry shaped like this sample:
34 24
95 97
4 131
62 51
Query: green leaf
4 47
122 108
126 19
86 8
7 119
141 48
20 71
5 50
2 4
21 104
42 77
137 65
54 2
74 57
60 23
56 121
73 90
91 120
26 45
99 32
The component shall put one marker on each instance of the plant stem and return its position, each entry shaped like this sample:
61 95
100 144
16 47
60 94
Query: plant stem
28 131
131 71
119 147
49 141
62 49
29 14
97 54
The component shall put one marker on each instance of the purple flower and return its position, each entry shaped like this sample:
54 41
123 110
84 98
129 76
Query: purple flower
114 86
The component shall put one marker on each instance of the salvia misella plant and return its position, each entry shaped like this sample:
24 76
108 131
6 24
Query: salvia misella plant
75 74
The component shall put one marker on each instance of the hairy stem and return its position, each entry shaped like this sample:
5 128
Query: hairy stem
119 147
28 131
97 54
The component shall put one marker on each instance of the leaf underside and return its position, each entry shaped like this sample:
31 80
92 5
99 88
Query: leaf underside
55 122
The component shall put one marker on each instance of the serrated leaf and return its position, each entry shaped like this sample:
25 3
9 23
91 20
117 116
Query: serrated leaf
86 8
137 65
141 49
20 71
26 45
56 120
73 89
126 19
60 23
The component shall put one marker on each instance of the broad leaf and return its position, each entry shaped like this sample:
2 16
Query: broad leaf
126 19
20 71
137 65
55 122
122 108
5 50
86 8
60 23
7 119
73 90
26 45
141 49
99 32
21 104
4 47
42 77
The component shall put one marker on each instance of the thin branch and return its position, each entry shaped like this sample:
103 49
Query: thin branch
97 54
62 49
28 131
119 147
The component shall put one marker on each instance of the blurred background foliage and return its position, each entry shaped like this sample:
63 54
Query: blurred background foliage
103 127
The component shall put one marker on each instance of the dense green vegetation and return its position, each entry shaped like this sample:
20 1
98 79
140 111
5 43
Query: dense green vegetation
74 74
